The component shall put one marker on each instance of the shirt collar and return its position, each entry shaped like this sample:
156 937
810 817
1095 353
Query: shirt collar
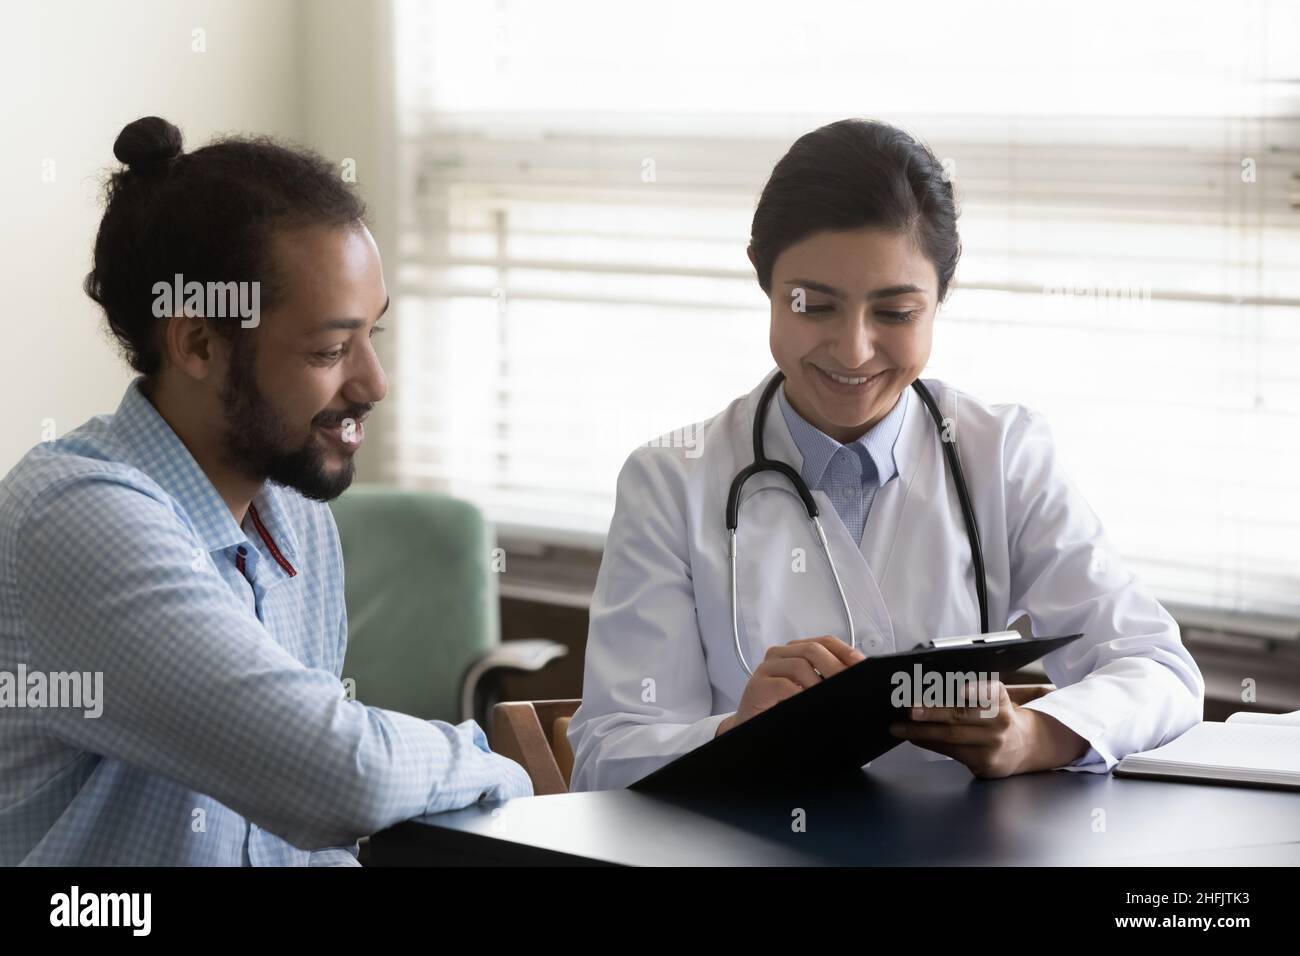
153 448
818 448
269 507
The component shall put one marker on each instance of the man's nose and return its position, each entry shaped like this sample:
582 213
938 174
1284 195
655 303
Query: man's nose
369 385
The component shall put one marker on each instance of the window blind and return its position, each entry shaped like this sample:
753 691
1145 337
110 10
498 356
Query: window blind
577 196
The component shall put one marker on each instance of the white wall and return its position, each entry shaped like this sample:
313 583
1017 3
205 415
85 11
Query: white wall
72 74
347 77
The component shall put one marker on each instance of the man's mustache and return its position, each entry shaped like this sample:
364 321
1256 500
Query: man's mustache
333 421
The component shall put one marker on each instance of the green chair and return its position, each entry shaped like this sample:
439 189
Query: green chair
423 618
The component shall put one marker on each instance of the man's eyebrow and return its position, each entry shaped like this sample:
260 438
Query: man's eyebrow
887 292
334 325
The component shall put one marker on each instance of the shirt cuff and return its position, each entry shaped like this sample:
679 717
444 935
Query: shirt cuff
334 856
1091 762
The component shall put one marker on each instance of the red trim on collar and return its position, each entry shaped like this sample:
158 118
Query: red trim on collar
266 536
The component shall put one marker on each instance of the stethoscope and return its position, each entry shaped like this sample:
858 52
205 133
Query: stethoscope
763 463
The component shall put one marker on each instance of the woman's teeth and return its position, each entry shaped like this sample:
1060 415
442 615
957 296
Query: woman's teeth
847 379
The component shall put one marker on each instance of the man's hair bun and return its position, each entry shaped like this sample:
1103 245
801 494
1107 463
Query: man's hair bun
148 142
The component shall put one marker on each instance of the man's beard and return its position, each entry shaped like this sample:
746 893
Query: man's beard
254 440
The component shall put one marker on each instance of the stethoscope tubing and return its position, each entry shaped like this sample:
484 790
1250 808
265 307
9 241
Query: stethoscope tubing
762 463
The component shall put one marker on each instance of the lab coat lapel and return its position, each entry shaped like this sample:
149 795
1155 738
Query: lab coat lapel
914 455
931 582
871 617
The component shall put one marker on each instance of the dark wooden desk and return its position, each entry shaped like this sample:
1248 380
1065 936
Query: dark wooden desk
927 814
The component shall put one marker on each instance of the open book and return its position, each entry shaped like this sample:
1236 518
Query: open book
1259 749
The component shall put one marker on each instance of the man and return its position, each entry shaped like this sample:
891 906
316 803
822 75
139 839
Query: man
177 556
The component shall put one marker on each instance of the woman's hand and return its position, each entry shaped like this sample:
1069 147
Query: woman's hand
1011 740
789 668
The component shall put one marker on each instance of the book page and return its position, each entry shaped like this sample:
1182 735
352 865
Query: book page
1285 720
1241 745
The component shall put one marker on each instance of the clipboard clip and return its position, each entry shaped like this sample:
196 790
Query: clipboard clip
996 637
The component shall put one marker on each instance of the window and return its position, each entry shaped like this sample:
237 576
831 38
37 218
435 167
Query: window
577 192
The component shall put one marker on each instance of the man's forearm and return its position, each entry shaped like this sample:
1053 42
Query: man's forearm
1054 744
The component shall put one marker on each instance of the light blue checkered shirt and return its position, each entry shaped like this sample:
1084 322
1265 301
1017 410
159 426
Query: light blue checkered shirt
226 736
849 474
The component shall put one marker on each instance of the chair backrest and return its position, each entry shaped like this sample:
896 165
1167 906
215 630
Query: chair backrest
534 733
421 597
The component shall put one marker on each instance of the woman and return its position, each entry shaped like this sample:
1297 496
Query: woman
855 243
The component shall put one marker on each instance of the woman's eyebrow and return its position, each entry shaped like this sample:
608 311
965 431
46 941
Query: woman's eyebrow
887 292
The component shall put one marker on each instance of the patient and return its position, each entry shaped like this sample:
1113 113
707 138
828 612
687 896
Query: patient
175 560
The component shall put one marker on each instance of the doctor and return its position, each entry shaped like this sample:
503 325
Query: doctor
854 241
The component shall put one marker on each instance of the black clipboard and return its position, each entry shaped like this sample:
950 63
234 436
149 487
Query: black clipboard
835 727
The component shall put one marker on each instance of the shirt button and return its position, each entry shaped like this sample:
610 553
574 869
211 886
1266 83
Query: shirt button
242 551
852 491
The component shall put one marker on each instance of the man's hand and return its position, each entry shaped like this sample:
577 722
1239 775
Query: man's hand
1011 740
789 668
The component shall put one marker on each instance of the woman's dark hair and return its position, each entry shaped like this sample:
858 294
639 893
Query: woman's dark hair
207 215
855 174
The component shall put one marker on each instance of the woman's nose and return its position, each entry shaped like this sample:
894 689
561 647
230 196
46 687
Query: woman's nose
855 345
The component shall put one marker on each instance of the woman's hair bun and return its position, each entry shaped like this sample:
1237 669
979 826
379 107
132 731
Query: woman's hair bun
148 142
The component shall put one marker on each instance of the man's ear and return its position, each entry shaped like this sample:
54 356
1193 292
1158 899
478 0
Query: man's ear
188 344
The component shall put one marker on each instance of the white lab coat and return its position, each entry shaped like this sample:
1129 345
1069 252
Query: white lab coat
661 670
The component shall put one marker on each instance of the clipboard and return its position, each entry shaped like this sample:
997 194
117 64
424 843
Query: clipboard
837 726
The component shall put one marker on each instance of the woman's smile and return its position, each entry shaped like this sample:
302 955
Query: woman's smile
850 386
